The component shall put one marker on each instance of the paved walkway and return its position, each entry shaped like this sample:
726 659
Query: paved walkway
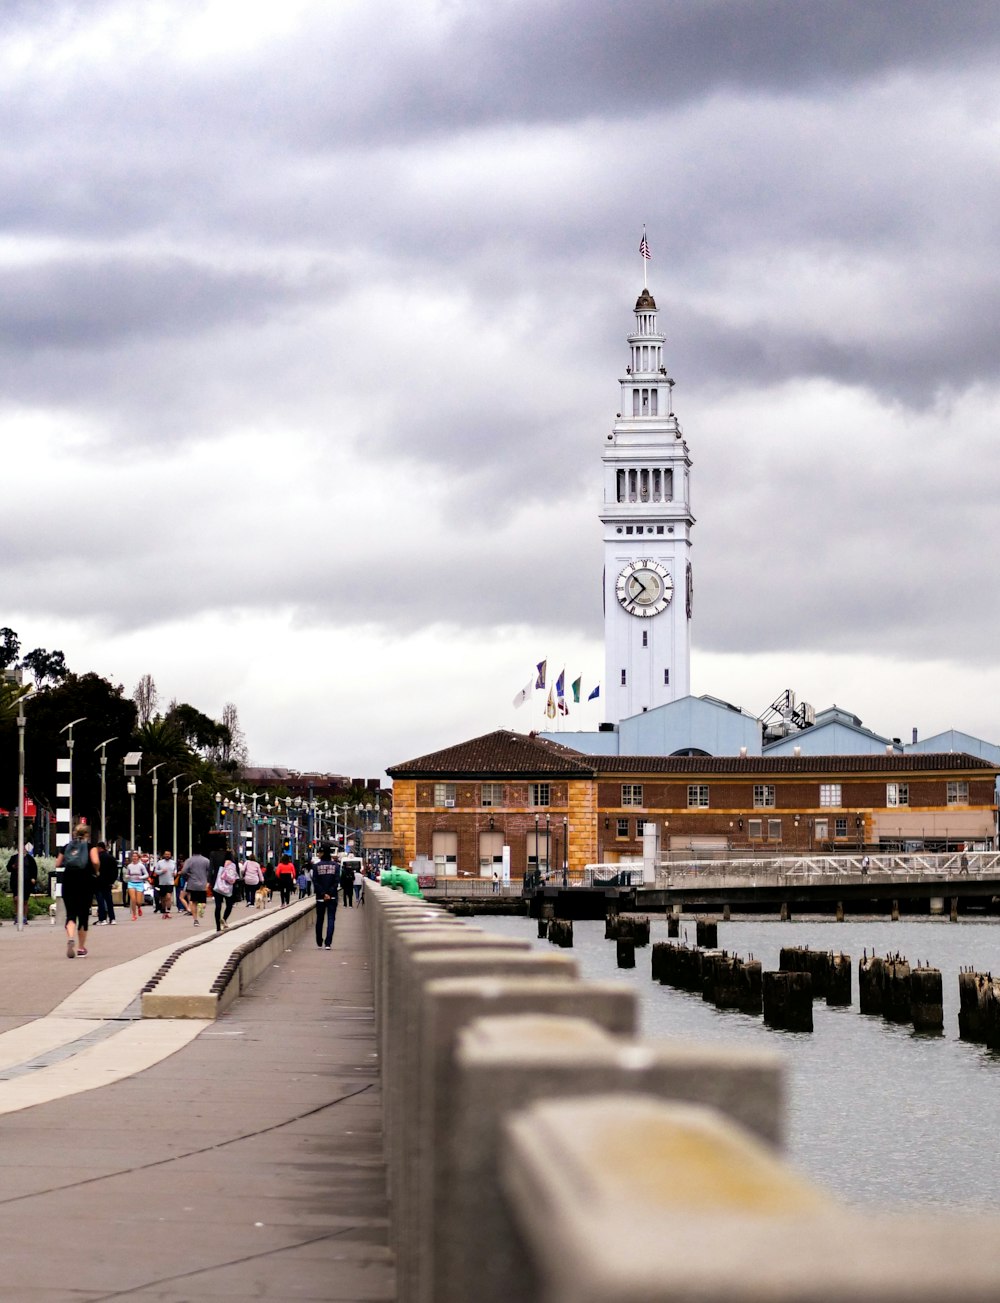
244 1163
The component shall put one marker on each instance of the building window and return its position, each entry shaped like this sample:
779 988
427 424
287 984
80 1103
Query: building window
840 827
622 828
491 794
774 830
631 793
698 796
958 793
444 794
829 794
822 830
635 402
640 827
666 678
645 637
623 678
756 829
897 794
444 848
652 402
763 796
620 480
538 794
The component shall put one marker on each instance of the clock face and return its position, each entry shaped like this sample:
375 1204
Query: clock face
644 588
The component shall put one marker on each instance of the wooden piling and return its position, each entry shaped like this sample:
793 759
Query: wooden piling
870 984
927 1000
726 915
838 986
954 909
543 928
896 991
972 988
749 986
895 911
787 1001
673 926
786 912
658 961
840 911
625 947
707 933
561 932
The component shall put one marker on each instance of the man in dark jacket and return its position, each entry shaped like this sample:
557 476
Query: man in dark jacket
30 877
107 876
326 880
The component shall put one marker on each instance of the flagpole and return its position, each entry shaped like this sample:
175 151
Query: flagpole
645 260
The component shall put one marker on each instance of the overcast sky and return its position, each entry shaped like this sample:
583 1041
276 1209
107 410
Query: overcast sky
312 314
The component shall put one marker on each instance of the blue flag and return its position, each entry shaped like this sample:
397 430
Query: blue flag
595 693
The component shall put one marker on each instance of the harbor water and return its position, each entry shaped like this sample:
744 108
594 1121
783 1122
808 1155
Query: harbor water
876 1112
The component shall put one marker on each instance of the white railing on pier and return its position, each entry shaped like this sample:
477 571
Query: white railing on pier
806 870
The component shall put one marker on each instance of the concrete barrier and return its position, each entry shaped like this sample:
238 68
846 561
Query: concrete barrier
203 978
632 1200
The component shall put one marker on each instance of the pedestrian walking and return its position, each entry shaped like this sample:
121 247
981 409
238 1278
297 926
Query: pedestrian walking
223 892
326 880
253 877
107 876
80 865
196 870
179 885
302 882
347 883
285 874
30 878
166 872
135 881
359 886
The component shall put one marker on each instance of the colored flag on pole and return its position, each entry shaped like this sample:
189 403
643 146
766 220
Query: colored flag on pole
576 688
525 692
540 681
560 685
644 246
550 705
595 693
563 708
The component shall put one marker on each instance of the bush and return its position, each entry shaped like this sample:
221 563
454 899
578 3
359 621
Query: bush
38 906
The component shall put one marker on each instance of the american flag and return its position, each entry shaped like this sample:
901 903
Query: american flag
644 247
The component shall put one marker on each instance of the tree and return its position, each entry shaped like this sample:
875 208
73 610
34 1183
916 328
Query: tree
145 696
10 646
234 746
45 665
195 727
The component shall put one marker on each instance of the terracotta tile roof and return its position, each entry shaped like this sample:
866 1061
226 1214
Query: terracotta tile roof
504 754
909 763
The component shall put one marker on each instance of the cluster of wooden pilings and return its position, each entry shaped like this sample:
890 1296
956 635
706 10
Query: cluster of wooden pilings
892 989
627 932
558 931
725 980
830 973
979 1008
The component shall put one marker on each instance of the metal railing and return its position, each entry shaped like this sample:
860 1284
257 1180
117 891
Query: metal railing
820 869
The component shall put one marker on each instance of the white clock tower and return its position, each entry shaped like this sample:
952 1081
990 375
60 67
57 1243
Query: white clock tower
647 535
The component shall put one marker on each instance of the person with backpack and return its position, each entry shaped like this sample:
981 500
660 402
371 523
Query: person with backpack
347 883
222 891
80 864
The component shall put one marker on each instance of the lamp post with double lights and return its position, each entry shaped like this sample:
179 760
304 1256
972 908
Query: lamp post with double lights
103 748
565 851
173 785
154 849
131 813
22 724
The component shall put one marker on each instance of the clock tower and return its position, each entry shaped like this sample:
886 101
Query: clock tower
647 522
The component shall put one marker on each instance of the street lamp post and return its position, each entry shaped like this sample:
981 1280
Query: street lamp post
21 725
187 792
154 852
103 748
173 784
538 867
565 851
68 729
131 814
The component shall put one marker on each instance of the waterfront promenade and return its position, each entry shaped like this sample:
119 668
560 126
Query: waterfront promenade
239 1158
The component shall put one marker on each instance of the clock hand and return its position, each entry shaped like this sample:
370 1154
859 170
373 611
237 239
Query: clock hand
637 593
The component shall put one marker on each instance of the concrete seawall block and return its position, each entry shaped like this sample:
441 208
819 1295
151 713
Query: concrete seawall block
503 1064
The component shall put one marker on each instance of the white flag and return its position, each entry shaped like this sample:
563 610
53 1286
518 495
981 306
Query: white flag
525 692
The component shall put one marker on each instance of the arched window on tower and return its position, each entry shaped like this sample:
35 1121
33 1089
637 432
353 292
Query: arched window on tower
657 484
621 486
652 402
644 486
631 486
645 402
635 402
668 486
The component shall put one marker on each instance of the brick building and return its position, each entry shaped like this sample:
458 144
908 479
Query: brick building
552 805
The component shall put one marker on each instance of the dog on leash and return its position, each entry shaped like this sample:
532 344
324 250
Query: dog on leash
262 898
52 913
